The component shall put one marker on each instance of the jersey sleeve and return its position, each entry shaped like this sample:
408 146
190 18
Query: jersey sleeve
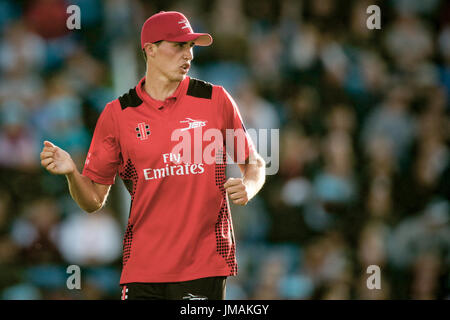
238 142
103 158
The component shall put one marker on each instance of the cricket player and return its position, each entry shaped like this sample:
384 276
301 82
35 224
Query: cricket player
159 138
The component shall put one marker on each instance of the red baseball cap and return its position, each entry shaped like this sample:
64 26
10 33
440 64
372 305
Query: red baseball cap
171 26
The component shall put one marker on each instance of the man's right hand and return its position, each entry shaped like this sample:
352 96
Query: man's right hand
89 195
56 160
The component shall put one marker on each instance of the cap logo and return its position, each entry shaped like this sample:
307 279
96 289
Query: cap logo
185 24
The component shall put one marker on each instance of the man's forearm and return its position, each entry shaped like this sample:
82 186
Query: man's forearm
254 176
83 192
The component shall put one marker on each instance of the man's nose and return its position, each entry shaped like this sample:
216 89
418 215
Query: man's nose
189 54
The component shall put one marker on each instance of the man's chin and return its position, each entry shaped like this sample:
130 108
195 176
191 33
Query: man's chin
179 77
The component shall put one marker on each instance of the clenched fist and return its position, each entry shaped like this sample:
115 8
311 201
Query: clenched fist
237 191
56 160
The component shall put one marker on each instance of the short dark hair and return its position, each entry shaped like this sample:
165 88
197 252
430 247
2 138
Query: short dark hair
157 44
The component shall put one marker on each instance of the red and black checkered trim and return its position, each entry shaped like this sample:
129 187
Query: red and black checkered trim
224 225
130 178
127 240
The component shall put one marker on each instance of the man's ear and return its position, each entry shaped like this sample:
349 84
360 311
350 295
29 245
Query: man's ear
150 49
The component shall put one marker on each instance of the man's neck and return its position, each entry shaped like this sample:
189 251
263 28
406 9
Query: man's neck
159 87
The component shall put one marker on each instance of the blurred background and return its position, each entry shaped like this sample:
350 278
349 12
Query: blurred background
364 174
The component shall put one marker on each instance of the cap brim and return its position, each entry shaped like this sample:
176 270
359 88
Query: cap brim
200 39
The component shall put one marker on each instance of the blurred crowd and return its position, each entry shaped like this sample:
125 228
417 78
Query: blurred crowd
364 172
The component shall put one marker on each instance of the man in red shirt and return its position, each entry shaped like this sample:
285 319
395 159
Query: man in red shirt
167 138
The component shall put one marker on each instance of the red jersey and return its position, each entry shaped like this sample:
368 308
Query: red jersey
179 225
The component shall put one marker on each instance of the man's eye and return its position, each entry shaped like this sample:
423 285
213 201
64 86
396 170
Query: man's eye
182 44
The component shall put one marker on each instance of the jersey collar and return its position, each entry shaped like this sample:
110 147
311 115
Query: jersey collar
157 104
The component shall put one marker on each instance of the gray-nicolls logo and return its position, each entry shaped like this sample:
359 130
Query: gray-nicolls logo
142 131
124 293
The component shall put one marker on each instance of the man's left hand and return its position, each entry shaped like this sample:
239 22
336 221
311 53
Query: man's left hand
237 191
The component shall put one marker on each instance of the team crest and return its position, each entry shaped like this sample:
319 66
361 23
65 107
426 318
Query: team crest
192 124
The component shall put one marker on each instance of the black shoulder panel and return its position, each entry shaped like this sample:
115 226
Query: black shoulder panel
130 99
199 89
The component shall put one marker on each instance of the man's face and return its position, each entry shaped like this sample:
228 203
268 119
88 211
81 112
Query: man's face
173 59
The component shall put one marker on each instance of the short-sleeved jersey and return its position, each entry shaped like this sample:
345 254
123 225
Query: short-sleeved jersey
179 225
